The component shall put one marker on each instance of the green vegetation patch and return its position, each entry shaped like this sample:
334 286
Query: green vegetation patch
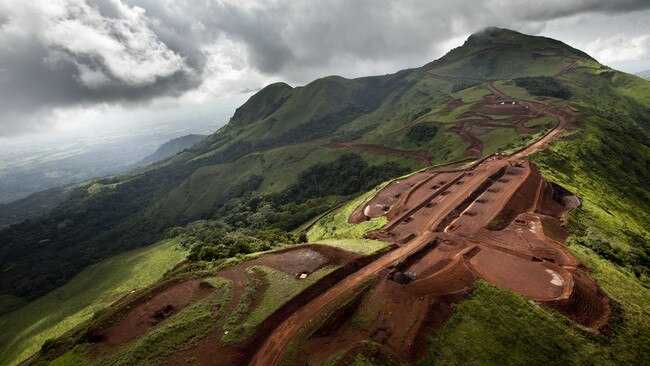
544 85
336 226
472 95
92 290
422 133
361 246
281 287
182 331
495 326
604 164
500 139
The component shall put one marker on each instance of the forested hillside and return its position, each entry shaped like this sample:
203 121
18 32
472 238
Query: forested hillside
292 154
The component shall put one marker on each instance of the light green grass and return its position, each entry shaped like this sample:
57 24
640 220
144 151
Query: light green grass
336 226
93 289
282 287
473 94
496 327
541 121
361 246
182 331
633 87
499 139
510 89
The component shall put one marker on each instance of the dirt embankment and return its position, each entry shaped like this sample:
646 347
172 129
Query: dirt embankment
145 313
420 156
487 221
455 225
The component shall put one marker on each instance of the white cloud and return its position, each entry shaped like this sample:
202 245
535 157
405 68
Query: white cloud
104 49
619 48
90 53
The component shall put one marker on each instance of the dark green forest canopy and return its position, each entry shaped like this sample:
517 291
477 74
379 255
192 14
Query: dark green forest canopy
544 86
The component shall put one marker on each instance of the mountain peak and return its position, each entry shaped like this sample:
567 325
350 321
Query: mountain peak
494 45
491 35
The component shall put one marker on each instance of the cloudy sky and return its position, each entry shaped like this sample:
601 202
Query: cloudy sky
65 62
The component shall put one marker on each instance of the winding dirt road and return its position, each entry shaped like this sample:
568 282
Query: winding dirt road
438 222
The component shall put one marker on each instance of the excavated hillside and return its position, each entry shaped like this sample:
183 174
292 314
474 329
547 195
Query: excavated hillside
485 186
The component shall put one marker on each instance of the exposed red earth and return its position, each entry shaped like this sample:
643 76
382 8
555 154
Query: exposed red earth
141 317
453 227
496 220
451 105
420 156
480 115
153 308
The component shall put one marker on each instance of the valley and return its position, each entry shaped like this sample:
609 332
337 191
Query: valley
457 213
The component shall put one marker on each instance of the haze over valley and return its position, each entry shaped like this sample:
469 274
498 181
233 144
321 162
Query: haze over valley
324 183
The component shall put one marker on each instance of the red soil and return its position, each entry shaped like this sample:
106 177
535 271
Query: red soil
505 270
475 144
454 227
148 314
380 203
451 105
420 156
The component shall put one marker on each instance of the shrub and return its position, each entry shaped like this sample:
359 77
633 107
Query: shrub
543 85
422 133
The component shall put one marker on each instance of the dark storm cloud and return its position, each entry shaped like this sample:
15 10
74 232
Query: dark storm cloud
59 53
71 53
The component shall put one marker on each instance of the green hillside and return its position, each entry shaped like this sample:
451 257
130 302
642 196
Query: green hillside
290 154
280 132
171 148
82 297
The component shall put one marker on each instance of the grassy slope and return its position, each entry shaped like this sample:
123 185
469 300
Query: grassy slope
335 225
279 167
603 162
496 327
90 291
282 287
182 331
394 113
361 246
276 134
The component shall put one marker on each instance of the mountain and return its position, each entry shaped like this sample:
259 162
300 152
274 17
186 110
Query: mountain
302 164
171 148
32 205
644 74
44 201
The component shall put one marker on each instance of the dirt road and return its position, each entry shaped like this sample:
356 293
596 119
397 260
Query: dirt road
454 203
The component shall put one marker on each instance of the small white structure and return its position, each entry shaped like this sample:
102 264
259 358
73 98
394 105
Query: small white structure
303 276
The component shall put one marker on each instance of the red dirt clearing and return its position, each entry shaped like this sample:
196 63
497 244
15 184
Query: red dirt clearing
454 227
497 220
523 276
420 156
451 105
148 314
381 202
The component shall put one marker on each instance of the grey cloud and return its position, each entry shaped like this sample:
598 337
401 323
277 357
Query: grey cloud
107 51
76 55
